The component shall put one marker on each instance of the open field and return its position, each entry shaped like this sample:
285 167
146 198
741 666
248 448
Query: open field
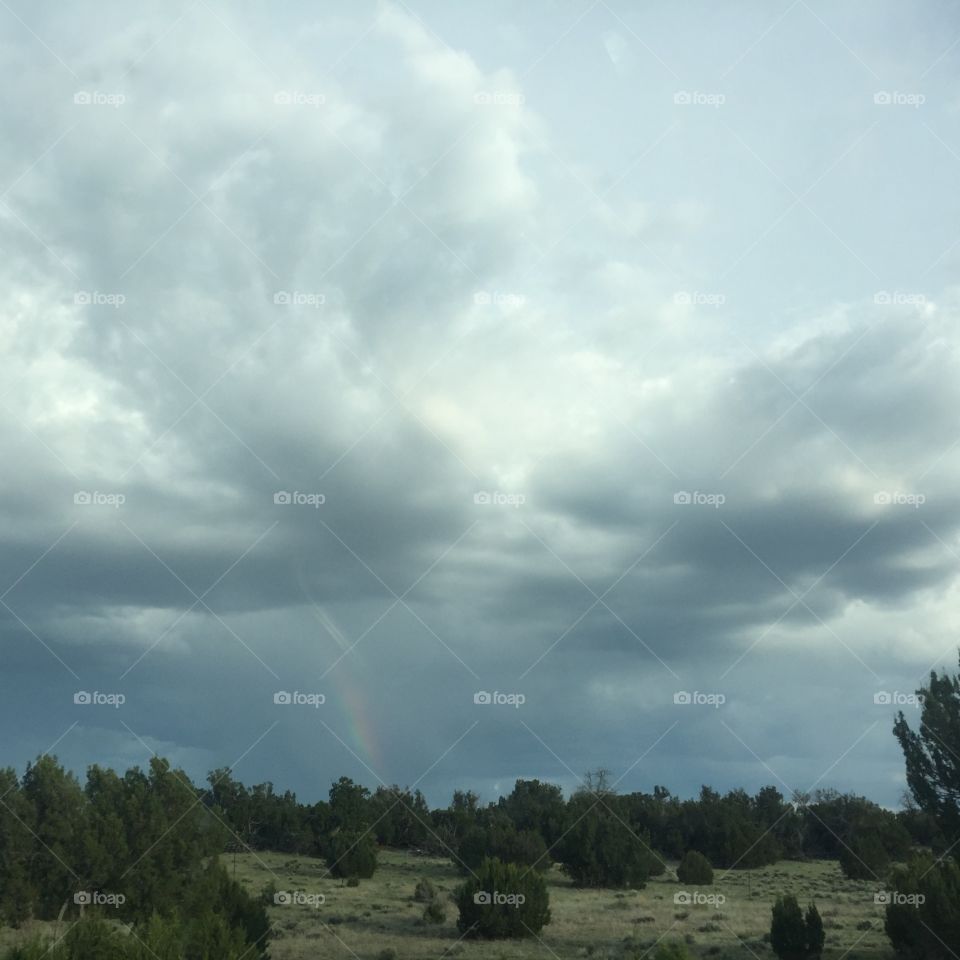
381 913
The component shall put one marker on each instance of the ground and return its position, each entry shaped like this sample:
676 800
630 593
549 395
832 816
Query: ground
380 913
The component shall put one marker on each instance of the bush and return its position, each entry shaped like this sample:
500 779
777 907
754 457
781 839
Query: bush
503 900
695 869
601 851
502 842
792 936
434 912
352 854
424 891
864 858
923 921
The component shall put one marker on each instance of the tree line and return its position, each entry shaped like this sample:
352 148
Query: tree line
144 847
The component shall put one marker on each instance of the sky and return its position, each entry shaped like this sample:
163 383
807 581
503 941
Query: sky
447 393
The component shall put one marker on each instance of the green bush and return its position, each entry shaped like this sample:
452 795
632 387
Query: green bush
503 900
793 936
351 854
434 912
674 950
600 850
425 890
864 858
695 869
923 917
503 842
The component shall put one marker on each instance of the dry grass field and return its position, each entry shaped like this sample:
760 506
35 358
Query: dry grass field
379 919
380 914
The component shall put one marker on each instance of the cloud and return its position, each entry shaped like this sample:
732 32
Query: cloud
384 292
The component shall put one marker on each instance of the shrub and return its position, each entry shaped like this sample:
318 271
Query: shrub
864 858
352 855
503 842
695 869
503 900
923 920
601 851
792 936
435 912
425 890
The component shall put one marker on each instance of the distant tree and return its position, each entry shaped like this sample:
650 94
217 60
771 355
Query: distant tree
352 854
695 869
537 808
349 805
16 842
864 857
601 850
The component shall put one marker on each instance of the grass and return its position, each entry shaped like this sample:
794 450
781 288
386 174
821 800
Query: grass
381 914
